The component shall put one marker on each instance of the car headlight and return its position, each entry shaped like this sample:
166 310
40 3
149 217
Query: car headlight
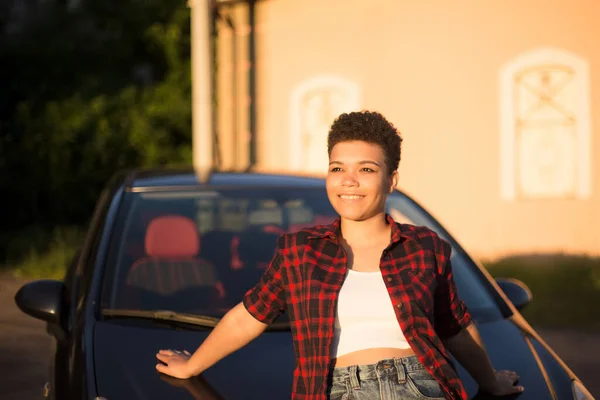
580 392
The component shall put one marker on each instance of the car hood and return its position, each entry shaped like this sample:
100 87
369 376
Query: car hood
124 360
125 365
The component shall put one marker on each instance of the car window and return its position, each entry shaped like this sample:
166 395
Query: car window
199 251
84 266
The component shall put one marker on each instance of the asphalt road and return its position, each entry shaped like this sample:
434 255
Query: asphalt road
25 348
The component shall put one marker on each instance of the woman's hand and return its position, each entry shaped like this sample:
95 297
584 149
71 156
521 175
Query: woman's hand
175 363
505 384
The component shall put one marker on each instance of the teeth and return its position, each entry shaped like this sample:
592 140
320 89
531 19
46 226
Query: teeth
350 197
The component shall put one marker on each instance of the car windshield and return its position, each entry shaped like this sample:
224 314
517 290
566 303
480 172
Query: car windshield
198 251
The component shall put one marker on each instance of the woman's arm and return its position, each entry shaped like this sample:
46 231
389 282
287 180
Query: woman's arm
245 322
455 327
236 329
468 349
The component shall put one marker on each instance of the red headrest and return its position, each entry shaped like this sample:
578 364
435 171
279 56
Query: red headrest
172 236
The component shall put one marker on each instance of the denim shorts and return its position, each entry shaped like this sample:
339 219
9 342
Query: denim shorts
390 379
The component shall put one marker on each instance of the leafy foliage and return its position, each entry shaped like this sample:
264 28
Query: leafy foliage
90 90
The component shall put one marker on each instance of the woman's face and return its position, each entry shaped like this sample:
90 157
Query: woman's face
358 182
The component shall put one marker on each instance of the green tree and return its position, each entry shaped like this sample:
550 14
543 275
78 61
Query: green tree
93 90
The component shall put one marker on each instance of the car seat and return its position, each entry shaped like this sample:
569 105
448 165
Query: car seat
172 264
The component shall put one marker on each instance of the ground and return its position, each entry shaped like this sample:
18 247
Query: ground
25 348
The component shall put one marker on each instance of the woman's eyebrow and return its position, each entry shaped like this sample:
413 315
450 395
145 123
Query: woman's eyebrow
369 162
360 162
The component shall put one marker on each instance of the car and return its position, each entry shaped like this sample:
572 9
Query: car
167 253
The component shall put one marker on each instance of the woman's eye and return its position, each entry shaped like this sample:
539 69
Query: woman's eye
368 169
335 169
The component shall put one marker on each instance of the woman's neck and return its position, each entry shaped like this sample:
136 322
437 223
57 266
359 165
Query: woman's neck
372 230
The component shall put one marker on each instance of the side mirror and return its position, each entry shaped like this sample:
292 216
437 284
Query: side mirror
42 299
516 291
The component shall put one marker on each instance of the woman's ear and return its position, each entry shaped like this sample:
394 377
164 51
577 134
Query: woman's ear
394 181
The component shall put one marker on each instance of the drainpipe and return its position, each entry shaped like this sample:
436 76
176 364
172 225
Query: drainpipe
202 115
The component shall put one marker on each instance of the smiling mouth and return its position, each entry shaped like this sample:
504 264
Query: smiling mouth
350 196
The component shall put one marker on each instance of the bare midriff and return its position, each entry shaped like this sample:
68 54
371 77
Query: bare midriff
370 356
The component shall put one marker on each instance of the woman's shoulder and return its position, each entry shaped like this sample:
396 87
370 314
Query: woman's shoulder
426 236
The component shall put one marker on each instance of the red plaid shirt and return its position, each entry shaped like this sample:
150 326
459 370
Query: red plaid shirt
305 277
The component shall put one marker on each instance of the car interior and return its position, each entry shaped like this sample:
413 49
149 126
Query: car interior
172 261
171 272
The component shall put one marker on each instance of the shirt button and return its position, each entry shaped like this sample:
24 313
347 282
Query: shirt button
389 278
399 305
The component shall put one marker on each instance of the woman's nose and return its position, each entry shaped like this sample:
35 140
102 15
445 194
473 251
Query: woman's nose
349 180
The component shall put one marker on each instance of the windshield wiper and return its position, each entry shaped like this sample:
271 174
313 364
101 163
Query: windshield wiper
163 315
166 315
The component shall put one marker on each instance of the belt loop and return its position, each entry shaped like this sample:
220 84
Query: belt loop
354 377
400 370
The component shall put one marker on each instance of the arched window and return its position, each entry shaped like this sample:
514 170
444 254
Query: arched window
314 104
545 126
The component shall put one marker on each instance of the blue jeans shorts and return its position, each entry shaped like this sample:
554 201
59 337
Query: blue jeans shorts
391 379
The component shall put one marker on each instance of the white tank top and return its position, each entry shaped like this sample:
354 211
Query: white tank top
365 316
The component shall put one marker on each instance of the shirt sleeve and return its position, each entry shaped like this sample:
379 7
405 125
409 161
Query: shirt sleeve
266 300
451 313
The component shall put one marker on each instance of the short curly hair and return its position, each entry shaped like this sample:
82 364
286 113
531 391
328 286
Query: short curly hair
370 127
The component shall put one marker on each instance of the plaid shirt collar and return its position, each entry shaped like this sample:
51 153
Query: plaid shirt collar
333 231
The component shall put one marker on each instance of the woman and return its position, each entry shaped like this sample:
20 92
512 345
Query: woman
372 304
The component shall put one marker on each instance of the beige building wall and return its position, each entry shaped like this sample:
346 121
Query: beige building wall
498 104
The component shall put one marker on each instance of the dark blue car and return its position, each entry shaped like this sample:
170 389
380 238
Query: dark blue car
166 256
